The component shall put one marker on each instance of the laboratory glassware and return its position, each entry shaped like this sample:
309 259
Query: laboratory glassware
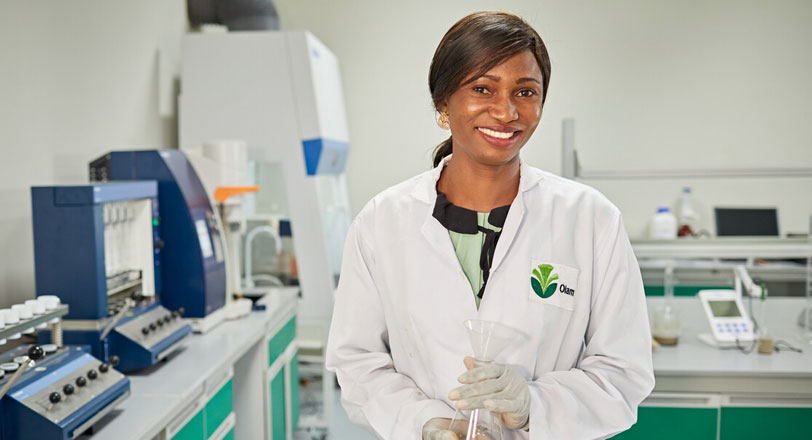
488 340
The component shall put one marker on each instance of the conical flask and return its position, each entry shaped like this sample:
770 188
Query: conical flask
488 340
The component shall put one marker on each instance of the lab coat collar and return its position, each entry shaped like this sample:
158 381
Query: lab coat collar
426 190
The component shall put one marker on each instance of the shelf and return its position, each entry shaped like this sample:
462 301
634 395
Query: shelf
60 311
741 248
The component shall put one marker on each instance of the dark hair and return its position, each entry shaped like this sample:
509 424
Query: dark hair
474 45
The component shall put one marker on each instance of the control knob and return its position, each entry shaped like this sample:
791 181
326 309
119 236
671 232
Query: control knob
68 389
92 374
103 368
81 381
54 397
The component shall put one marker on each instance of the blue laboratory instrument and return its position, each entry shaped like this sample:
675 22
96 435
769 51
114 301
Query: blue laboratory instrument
98 248
51 392
193 272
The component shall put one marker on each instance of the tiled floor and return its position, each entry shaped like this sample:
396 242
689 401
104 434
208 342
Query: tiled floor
340 426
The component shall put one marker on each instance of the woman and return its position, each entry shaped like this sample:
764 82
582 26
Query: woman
485 236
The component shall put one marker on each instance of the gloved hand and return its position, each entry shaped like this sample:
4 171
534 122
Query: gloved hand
440 429
497 387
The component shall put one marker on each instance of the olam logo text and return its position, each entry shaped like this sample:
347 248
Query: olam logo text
543 283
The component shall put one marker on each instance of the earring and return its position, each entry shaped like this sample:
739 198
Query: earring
442 121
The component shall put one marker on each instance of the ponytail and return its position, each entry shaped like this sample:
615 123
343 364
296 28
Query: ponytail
441 151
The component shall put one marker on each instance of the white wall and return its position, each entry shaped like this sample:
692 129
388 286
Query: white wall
652 84
77 79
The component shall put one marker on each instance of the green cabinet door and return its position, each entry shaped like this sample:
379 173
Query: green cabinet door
281 340
743 423
277 415
294 391
193 430
218 408
673 423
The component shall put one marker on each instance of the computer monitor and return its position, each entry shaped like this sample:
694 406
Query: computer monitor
746 222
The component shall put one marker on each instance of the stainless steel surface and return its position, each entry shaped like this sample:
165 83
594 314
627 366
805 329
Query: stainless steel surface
132 329
84 324
61 311
82 395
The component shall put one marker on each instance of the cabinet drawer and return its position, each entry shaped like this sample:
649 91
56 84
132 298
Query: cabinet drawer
277 415
218 408
280 341
193 429
743 423
669 423
294 391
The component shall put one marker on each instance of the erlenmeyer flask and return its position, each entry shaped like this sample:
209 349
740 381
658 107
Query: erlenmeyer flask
488 339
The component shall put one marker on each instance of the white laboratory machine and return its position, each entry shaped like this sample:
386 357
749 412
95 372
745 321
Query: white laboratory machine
280 92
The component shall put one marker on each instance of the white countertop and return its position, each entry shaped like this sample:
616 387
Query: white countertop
160 393
691 357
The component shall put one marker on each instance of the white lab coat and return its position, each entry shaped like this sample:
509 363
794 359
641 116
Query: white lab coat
397 341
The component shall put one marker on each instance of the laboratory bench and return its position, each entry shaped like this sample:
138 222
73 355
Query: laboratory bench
239 380
703 392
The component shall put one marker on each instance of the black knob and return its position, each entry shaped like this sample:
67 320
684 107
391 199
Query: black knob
181 311
167 319
114 360
67 389
36 352
152 326
160 322
175 314
81 381
145 331
92 374
137 296
54 397
103 368
159 244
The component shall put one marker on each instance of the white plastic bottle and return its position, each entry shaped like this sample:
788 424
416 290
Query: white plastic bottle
663 225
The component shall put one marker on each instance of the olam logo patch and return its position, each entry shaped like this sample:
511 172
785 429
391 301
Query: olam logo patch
542 281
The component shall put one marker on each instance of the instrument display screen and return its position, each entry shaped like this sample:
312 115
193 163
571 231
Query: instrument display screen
724 309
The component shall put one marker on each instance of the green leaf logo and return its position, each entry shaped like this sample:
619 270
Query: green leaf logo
542 281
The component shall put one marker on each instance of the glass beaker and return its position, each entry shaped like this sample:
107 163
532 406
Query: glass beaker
665 322
488 339
665 325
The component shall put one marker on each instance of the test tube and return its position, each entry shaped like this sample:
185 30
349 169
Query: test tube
25 313
107 263
37 308
12 317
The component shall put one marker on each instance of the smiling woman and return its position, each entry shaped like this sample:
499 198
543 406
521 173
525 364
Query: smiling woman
484 59
484 236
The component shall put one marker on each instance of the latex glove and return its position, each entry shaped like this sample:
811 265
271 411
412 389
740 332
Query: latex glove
440 429
497 387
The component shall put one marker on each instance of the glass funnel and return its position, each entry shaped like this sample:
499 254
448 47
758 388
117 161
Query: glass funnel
488 340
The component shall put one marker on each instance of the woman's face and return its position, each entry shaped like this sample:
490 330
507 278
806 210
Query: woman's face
492 117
